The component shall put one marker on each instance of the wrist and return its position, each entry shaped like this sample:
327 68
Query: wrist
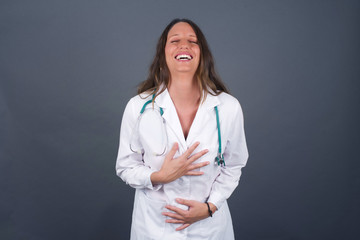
212 206
157 178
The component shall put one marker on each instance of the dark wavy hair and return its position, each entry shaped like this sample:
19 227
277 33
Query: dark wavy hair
159 73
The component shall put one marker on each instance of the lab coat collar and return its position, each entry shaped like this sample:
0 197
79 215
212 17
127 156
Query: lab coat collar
170 115
211 101
164 100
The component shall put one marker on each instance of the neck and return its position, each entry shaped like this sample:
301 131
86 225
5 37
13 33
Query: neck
184 91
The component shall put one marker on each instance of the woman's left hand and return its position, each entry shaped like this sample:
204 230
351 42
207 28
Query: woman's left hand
197 211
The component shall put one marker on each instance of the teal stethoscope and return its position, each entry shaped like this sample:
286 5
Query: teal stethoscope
148 119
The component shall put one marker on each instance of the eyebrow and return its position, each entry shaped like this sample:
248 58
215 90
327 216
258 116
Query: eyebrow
178 35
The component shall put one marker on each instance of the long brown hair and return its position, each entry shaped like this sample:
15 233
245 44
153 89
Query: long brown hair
159 73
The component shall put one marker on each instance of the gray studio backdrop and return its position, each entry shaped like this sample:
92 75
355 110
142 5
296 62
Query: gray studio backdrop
68 68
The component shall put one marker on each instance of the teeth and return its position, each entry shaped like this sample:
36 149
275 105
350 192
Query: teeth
183 57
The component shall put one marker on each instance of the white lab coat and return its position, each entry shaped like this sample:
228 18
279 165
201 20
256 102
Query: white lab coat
215 185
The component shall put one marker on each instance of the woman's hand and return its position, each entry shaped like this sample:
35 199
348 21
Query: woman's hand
174 168
197 211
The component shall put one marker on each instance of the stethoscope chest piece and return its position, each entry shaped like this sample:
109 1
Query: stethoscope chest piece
219 160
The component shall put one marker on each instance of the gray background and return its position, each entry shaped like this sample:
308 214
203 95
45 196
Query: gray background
68 69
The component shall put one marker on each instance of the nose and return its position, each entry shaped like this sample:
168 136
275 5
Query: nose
184 44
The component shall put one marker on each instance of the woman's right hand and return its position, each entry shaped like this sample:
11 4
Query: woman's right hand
174 168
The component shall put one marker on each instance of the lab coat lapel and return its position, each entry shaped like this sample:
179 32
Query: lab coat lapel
203 114
171 118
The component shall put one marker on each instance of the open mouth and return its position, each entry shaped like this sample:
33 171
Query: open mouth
183 57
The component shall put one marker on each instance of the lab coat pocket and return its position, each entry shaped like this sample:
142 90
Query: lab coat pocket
148 216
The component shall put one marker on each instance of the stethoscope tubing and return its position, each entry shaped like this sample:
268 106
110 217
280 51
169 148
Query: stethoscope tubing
219 160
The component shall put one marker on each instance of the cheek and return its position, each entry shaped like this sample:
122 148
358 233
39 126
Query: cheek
198 56
168 52
197 50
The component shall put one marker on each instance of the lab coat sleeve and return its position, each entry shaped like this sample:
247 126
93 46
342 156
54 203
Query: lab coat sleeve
129 165
235 155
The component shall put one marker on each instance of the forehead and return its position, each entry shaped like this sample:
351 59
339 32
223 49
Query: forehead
181 28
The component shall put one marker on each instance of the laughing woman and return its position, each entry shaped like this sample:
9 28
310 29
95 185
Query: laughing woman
182 143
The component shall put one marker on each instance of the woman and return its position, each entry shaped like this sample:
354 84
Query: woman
173 151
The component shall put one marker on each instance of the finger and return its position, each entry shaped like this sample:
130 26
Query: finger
174 221
176 210
183 226
173 215
188 152
186 202
198 155
194 173
198 165
172 151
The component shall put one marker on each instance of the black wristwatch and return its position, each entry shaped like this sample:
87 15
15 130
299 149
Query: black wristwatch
210 212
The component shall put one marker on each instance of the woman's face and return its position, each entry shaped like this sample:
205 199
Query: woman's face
182 51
